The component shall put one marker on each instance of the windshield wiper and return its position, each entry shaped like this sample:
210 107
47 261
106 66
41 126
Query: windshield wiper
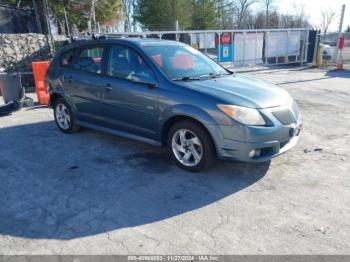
186 78
201 77
211 75
215 75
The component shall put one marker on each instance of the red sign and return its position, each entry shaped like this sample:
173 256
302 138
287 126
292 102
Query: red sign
225 39
342 42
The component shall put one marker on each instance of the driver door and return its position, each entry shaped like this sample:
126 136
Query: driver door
130 106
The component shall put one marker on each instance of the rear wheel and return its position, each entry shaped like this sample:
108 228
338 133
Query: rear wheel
190 146
64 117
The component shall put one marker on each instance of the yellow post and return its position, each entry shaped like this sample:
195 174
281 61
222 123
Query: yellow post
319 59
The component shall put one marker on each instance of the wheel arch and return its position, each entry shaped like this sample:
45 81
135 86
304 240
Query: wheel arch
58 93
171 121
54 97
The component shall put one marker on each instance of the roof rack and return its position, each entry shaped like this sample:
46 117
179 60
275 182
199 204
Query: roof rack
93 36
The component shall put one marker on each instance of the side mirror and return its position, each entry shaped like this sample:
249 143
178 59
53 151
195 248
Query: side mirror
144 79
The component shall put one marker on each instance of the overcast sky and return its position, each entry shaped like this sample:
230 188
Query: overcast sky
313 9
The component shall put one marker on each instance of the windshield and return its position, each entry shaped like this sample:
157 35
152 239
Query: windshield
184 62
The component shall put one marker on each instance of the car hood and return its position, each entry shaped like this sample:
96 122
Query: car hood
243 91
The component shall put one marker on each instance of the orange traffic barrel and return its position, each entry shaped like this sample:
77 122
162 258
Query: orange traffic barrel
39 72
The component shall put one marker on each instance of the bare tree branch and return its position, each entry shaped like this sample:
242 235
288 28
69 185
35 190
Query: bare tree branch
267 4
243 6
327 17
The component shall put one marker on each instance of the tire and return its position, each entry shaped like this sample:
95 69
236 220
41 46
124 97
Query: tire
62 110
190 146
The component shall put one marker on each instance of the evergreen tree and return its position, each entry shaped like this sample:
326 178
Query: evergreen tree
204 14
162 14
78 11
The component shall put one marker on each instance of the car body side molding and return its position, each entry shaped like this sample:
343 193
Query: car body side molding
120 133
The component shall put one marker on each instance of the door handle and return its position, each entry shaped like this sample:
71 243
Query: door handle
108 87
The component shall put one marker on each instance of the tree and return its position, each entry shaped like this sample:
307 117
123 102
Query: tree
129 6
300 18
78 11
107 10
242 8
327 17
162 14
204 14
225 11
268 5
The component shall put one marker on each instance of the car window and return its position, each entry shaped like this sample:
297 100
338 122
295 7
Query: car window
183 61
90 60
125 62
66 58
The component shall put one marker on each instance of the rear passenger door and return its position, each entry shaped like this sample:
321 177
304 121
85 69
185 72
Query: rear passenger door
84 81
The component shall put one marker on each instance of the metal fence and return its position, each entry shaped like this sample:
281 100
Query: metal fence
330 50
346 51
242 47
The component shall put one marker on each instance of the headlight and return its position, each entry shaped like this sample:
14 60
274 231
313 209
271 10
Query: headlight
244 115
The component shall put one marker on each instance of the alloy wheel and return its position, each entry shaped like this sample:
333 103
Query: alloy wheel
187 147
63 116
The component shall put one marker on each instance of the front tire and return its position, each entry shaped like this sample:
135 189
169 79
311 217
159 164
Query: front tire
190 146
64 117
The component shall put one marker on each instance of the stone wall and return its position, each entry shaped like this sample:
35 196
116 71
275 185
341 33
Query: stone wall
18 51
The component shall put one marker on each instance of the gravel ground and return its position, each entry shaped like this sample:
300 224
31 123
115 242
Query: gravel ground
92 193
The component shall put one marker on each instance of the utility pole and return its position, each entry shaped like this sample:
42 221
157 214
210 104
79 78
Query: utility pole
177 29
67 24
98 28
127 11
337 57
93 14
89 26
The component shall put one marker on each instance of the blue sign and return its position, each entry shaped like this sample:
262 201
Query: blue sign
225 54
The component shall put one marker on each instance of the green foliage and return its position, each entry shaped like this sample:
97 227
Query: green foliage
204 14
162 14
78 11
12 2
107 10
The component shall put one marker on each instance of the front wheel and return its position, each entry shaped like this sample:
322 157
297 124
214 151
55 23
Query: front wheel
64 117
190 146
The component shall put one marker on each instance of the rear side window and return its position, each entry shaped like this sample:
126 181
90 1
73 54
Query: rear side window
66 58
90 59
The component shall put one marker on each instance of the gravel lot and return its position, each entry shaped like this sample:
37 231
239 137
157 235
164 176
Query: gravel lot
92 193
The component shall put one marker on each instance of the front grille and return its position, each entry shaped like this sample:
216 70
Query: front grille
285 116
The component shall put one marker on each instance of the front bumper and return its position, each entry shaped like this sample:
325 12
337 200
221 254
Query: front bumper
236 142
239 151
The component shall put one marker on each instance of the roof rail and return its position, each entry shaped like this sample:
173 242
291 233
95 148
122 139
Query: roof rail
93 36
